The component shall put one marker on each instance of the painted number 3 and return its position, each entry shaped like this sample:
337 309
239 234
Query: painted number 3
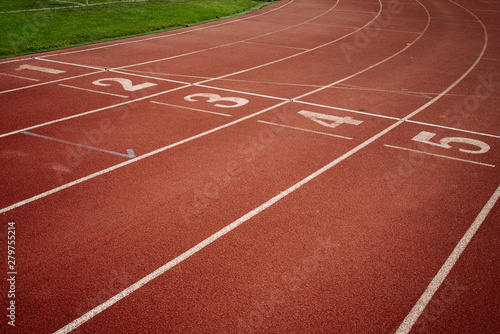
425 137
213 98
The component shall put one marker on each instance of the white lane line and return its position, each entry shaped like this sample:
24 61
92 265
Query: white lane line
138 158
440 155
71 64
194 109
493 59
444 271
94 91
19 77
276 46
305 130
48 82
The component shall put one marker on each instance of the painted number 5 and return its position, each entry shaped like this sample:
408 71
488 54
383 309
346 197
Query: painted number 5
212 98
425 137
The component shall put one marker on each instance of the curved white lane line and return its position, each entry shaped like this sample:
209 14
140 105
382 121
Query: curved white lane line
443 272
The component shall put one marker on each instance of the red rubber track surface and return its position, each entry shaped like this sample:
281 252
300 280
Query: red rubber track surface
317 166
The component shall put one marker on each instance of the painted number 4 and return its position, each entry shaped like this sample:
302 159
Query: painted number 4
330 121
426 137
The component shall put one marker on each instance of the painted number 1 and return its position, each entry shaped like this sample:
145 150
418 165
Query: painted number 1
425 137
39 69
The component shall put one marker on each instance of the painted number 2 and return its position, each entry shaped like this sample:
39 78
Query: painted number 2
126 84
425 137
212 98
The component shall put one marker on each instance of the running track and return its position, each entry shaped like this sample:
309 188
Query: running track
317 166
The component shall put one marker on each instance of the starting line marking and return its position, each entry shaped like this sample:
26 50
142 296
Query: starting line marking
305 130
94 91
194 109
19 77
440 155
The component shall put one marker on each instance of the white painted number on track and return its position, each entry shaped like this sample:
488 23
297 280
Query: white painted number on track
333 121
39 69
126 84
425 137
238 101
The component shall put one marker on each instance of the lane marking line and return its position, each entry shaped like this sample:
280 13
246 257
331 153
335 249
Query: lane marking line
439 155
71 64
130 152
276 46
93 91
305 130
446 268
194 109
19 77
48 82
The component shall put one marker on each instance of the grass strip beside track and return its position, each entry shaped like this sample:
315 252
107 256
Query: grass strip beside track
30 26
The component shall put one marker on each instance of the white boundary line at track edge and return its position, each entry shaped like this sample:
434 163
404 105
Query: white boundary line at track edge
168 34
76 323
445 269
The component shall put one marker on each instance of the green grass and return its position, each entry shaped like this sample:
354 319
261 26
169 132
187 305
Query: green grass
30 26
